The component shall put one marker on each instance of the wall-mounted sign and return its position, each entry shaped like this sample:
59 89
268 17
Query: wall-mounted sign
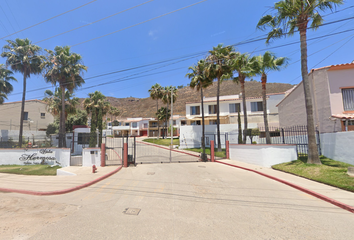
41 157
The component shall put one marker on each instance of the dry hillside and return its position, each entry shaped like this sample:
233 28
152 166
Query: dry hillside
146 107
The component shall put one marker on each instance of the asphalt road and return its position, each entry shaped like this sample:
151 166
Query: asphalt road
190 201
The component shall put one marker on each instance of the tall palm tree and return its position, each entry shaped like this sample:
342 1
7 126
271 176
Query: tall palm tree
265 63
156 94
242 63
65 68
163 114
92 105
5 85
103 107
169 93
296 15
219 67
200 81
23 57
53 101
113 111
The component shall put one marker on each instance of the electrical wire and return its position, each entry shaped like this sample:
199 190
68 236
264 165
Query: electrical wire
94 22
49 19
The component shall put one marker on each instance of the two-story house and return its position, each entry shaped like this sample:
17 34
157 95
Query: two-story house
229 107
332 91
132 127
35 118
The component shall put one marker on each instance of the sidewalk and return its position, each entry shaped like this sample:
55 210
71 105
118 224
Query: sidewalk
25 183
336 194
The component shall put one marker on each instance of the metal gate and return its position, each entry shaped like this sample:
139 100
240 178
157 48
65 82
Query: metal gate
114 150
152 153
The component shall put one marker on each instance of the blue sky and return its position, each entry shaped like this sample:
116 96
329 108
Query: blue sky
173 41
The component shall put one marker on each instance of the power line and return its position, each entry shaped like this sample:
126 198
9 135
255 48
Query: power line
94 22
138 23
49 19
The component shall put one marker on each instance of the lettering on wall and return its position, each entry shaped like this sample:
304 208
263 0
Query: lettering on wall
42 157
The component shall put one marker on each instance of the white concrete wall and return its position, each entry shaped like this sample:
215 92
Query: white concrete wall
190 136
338 146
31 156
263 155
89 159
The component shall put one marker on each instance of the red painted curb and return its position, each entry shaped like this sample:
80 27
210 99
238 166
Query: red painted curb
58 192
317 195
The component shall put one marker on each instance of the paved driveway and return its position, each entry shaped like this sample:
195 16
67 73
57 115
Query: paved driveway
187 201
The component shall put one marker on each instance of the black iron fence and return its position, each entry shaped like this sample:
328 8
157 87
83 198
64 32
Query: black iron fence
27 142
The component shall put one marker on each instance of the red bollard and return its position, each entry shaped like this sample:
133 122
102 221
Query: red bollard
212 157
103 154
125 164
227 150
94 168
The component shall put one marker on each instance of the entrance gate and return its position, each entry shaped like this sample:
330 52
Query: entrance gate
114 150
140 152
152 153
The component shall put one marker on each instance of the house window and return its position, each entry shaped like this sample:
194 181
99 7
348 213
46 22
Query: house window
234 107
348 99
195 123
256 106
213 122
195 110
183 123
127 124
42 115
145 125
153 124
83 138
174 122
134 125
25 116
213 109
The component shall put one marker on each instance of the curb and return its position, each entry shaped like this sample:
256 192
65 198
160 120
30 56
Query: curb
317 195
58 192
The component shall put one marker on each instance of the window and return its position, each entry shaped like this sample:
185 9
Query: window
213 122
195 110
213 109
126 124
42 115
350 122
256 106
145 125
153 124
195 123
25 116
174 122
134 125
83 138
234 107
348 99
183 123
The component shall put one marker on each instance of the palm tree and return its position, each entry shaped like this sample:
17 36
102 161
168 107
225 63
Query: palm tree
5 85
292 15
53 101
200 81
113 111
242 63
103 107
163 114
65 68
219 67
156 94
167 93
93 105
23 57
265 63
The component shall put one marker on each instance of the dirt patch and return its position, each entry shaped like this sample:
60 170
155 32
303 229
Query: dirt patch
22 217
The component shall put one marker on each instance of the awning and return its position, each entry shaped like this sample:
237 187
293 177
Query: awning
344 116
